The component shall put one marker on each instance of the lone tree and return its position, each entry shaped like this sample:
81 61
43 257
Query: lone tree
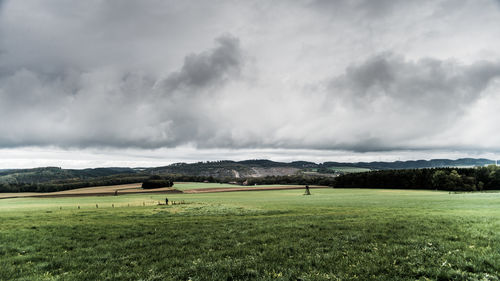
307 191
157 182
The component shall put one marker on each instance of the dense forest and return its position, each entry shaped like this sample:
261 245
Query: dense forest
49 179
414 164
60 185
451 179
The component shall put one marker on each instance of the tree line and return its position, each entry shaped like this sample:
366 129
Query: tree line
450 179
60 185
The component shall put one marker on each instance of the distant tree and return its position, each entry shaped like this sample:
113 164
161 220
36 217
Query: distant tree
454 181
155 177
439 179
468 183
494 176
480 186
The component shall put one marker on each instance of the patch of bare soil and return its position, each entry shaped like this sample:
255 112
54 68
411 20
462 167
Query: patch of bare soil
93 191
16 194
136 188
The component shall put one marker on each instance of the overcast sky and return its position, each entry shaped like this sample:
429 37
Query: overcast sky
152 82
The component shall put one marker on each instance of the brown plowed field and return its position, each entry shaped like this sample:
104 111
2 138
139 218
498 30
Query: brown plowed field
136 188
93 191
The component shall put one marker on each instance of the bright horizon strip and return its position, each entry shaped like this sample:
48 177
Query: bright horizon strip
33 157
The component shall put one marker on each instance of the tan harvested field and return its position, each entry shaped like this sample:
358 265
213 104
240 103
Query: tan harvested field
136 188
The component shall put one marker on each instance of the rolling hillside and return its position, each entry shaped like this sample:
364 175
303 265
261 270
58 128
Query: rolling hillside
40 179
258 168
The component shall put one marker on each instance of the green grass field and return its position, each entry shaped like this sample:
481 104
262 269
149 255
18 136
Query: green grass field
349 169
335 234
201 185
196 185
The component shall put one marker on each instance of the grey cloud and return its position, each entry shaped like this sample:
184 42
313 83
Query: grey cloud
105 108
397 100
384 103
426 83
151 35
208 68
307 74
376 11
359 9
192 92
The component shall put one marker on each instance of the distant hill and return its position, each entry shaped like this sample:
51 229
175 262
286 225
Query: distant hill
216 169
49 174
262 167
222 169
417 164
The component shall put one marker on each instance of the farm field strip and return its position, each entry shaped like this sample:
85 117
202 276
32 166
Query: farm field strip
186 187
250 188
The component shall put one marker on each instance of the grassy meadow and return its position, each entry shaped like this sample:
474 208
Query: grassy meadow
334 234
349 169
196 185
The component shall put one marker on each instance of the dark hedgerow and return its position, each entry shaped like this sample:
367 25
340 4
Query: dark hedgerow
157 182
